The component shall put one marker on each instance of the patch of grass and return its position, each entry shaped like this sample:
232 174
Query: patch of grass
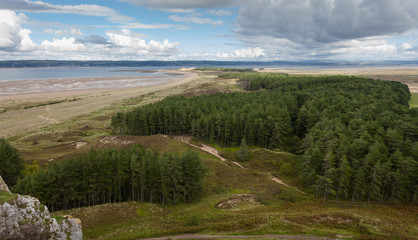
51 103
7 197
59 218
413 103
291 195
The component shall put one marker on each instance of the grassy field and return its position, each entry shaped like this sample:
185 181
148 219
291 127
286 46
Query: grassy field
236 201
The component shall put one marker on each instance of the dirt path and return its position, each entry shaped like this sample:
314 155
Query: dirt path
50 120
269 236
214 152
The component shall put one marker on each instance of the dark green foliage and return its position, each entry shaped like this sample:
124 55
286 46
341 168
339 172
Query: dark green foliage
105 176
243 153
11 164
357 136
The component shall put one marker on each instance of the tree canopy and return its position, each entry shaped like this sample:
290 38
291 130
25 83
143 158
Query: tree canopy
11 164
105 176
357 137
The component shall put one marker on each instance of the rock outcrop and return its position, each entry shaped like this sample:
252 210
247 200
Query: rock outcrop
24 217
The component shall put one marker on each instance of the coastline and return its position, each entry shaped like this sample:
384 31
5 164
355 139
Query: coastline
144 82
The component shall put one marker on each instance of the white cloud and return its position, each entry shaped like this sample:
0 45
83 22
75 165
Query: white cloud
126 42
26 43
16 43
220 12
62 45
65 32
406 46
195 19
246 53
12 36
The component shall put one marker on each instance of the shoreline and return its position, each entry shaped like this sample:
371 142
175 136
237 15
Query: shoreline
144 82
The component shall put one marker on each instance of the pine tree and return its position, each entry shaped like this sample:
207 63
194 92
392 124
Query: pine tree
375 192
343 178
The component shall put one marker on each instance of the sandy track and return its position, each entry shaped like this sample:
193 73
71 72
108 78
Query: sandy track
50 120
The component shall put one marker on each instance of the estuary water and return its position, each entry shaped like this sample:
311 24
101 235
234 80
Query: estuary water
35 80
13 74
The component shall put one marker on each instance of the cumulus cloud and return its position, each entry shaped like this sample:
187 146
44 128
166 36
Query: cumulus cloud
81 9
183 4
16 43
324 21
195 19
62 45
246 53
65 32
12 36
128 43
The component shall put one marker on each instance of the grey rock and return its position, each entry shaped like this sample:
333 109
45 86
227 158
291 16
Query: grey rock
24 217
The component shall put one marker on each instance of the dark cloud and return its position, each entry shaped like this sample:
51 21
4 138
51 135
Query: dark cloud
96 39
183 4
323 21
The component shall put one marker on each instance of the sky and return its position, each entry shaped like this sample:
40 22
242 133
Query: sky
232 30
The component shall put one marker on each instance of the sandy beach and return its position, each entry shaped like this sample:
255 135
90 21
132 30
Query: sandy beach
29 111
